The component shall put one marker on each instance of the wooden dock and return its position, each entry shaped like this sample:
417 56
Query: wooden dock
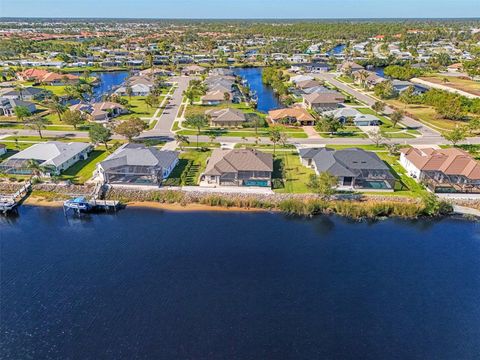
81 205
9 203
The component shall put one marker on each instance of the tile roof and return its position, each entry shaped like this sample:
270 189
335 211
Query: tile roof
450 161
228 161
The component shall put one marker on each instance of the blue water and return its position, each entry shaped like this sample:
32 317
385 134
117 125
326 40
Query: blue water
379 71
147 284
108 82
267 100
337 49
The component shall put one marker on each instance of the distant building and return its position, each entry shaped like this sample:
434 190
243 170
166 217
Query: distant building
226 117
321 102
291 116
7 106
101 111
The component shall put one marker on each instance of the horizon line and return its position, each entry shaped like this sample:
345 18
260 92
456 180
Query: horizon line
242 18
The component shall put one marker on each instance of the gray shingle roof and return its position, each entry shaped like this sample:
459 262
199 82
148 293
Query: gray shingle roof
346 162
225 161
139 155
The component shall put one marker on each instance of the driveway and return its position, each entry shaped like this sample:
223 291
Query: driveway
167 118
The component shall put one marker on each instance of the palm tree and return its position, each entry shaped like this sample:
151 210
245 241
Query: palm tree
34 167
198 122
37 123
362 76
181 139
212 138
56 106
275 137
396 117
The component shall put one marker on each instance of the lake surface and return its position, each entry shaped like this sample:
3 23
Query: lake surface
148 284
338 49
107 82
267 99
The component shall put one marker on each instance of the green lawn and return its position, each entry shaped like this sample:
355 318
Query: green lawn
189 168
240 133
138 107
201 109
295 176
83 170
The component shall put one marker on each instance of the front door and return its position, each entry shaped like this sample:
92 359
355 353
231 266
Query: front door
347 181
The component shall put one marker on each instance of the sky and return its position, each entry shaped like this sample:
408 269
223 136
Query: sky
241 8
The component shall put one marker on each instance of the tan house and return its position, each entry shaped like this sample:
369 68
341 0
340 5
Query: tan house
193 70
443 170
291 116
321 102
101 111
214 97
349 67
47 77
238 167
226 117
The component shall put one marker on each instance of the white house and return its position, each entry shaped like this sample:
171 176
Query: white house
54 156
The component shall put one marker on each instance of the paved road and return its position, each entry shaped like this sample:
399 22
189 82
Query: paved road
166 120
407 121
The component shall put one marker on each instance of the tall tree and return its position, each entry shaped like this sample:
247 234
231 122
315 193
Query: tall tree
100 134
396 117
456 135
37 123
198 122
22 112
275 137
55 105
328 123
130 128
73 117
323 184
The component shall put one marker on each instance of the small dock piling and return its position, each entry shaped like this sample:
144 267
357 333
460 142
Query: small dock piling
10 203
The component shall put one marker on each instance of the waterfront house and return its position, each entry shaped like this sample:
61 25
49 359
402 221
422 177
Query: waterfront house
139 86
7 106
366 120
26 94
355 169
100 111
194 70
53 156
291 116
214 97
348 67
226 117
47 77
299 78
316 67
442 170
367 78
344 114
321 102
137 164
238 167
400 86
307 84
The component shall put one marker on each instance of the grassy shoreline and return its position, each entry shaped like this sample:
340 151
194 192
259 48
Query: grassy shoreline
307 205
